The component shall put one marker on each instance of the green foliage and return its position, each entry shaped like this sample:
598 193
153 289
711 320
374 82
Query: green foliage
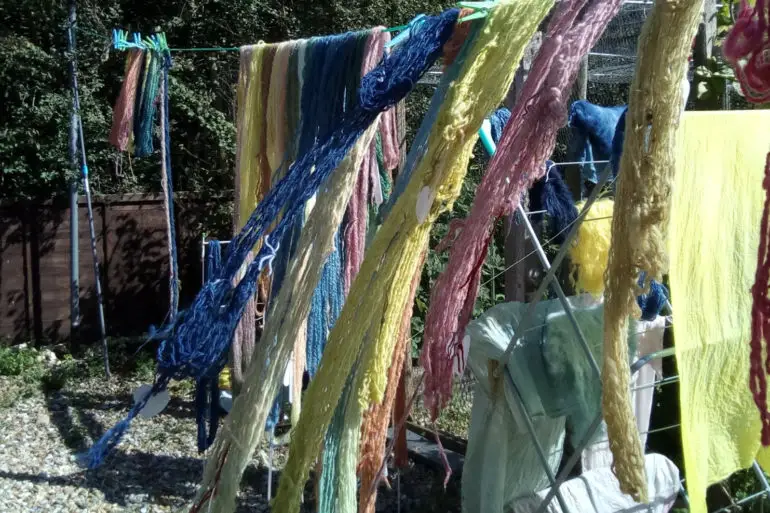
16 362
711 78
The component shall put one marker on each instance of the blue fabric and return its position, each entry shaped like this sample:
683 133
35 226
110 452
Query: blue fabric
617 143
593 128
198 341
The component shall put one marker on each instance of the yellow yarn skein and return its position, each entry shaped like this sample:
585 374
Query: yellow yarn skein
379 293
249 143
588 254
642 207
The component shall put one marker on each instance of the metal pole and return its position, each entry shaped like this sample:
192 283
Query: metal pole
73 197
86 187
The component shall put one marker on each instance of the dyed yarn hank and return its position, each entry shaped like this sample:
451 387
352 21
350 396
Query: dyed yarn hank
528 140
639 223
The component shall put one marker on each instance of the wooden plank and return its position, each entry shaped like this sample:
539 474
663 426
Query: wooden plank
427 453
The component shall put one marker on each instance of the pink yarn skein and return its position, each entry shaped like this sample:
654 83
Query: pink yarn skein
528 140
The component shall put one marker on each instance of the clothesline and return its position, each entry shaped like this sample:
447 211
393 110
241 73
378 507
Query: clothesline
403 27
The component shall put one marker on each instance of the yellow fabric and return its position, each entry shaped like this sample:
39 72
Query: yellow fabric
713 239
588 255
379 293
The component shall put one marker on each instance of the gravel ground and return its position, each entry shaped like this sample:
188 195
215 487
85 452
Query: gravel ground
156 468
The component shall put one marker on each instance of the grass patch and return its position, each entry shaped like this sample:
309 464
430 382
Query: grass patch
23 372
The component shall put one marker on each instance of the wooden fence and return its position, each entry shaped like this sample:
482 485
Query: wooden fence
132 248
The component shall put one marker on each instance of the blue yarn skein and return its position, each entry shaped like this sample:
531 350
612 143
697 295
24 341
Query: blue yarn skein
551 194
323 102
593 128
200 337
329 295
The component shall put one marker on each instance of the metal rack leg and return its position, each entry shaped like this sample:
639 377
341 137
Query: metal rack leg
559 291
569 465
538 448
527 318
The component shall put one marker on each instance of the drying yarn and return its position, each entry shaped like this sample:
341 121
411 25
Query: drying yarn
277 121
355 217
123 113
528 140
377 299
290 308
640 220
420 142
337 94
249 187
147 104
207 388
760 328
550 193
588 255
745 47
374 429
457 41
197 341
383 87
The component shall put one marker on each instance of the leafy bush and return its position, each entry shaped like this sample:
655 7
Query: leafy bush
16 362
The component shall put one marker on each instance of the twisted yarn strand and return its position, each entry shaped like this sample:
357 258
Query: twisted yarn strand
379 293
528 140
640 220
